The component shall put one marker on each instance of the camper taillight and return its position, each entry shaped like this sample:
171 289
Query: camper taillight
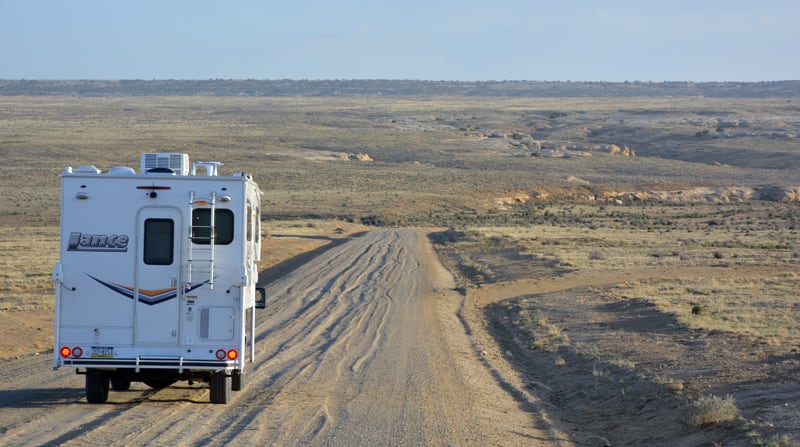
230 354
66 351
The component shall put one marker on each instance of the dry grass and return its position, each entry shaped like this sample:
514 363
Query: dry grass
757 239
28 255
433 159
763 307
708 410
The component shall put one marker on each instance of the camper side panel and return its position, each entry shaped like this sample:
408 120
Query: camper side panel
97 254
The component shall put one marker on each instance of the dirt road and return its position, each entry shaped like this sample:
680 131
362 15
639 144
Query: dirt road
366 344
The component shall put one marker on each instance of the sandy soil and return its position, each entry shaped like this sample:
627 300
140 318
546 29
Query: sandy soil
644 398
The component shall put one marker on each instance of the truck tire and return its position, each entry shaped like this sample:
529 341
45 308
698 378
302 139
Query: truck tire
120 384
238 381
96 387
220 385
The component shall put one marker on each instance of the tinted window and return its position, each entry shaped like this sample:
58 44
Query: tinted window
201 225
249 222
159 237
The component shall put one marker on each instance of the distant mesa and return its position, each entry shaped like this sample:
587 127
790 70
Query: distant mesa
582 191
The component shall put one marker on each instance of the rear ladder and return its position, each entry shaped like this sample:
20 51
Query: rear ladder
201 240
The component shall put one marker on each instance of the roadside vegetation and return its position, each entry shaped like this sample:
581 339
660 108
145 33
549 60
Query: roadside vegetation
677 319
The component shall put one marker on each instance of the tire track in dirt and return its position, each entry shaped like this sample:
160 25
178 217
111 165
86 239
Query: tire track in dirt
347 336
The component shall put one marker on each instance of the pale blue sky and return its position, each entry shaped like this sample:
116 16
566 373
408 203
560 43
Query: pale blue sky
556 40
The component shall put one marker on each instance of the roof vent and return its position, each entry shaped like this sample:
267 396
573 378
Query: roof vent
212 167
158 162
121 170
87 169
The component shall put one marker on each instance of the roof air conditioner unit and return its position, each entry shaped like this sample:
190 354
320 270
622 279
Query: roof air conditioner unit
164 162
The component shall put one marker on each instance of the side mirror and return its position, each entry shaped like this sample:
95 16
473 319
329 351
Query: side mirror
261 302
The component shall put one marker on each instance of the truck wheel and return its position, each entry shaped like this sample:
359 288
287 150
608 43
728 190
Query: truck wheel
220 385
96 387
238 381
120 384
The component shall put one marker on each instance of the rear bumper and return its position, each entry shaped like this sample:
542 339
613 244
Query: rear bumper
175 363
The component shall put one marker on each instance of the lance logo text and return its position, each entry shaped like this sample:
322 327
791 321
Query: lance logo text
97 242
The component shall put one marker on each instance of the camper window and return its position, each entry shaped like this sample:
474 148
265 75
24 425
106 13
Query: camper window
249 222
258 224
158 241
201 225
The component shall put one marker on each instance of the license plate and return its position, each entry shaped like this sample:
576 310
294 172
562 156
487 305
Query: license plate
102 352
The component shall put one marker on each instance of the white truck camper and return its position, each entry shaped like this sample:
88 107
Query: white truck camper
156 278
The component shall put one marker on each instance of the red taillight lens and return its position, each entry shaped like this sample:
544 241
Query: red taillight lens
77 351
220 354
233 354
66 351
